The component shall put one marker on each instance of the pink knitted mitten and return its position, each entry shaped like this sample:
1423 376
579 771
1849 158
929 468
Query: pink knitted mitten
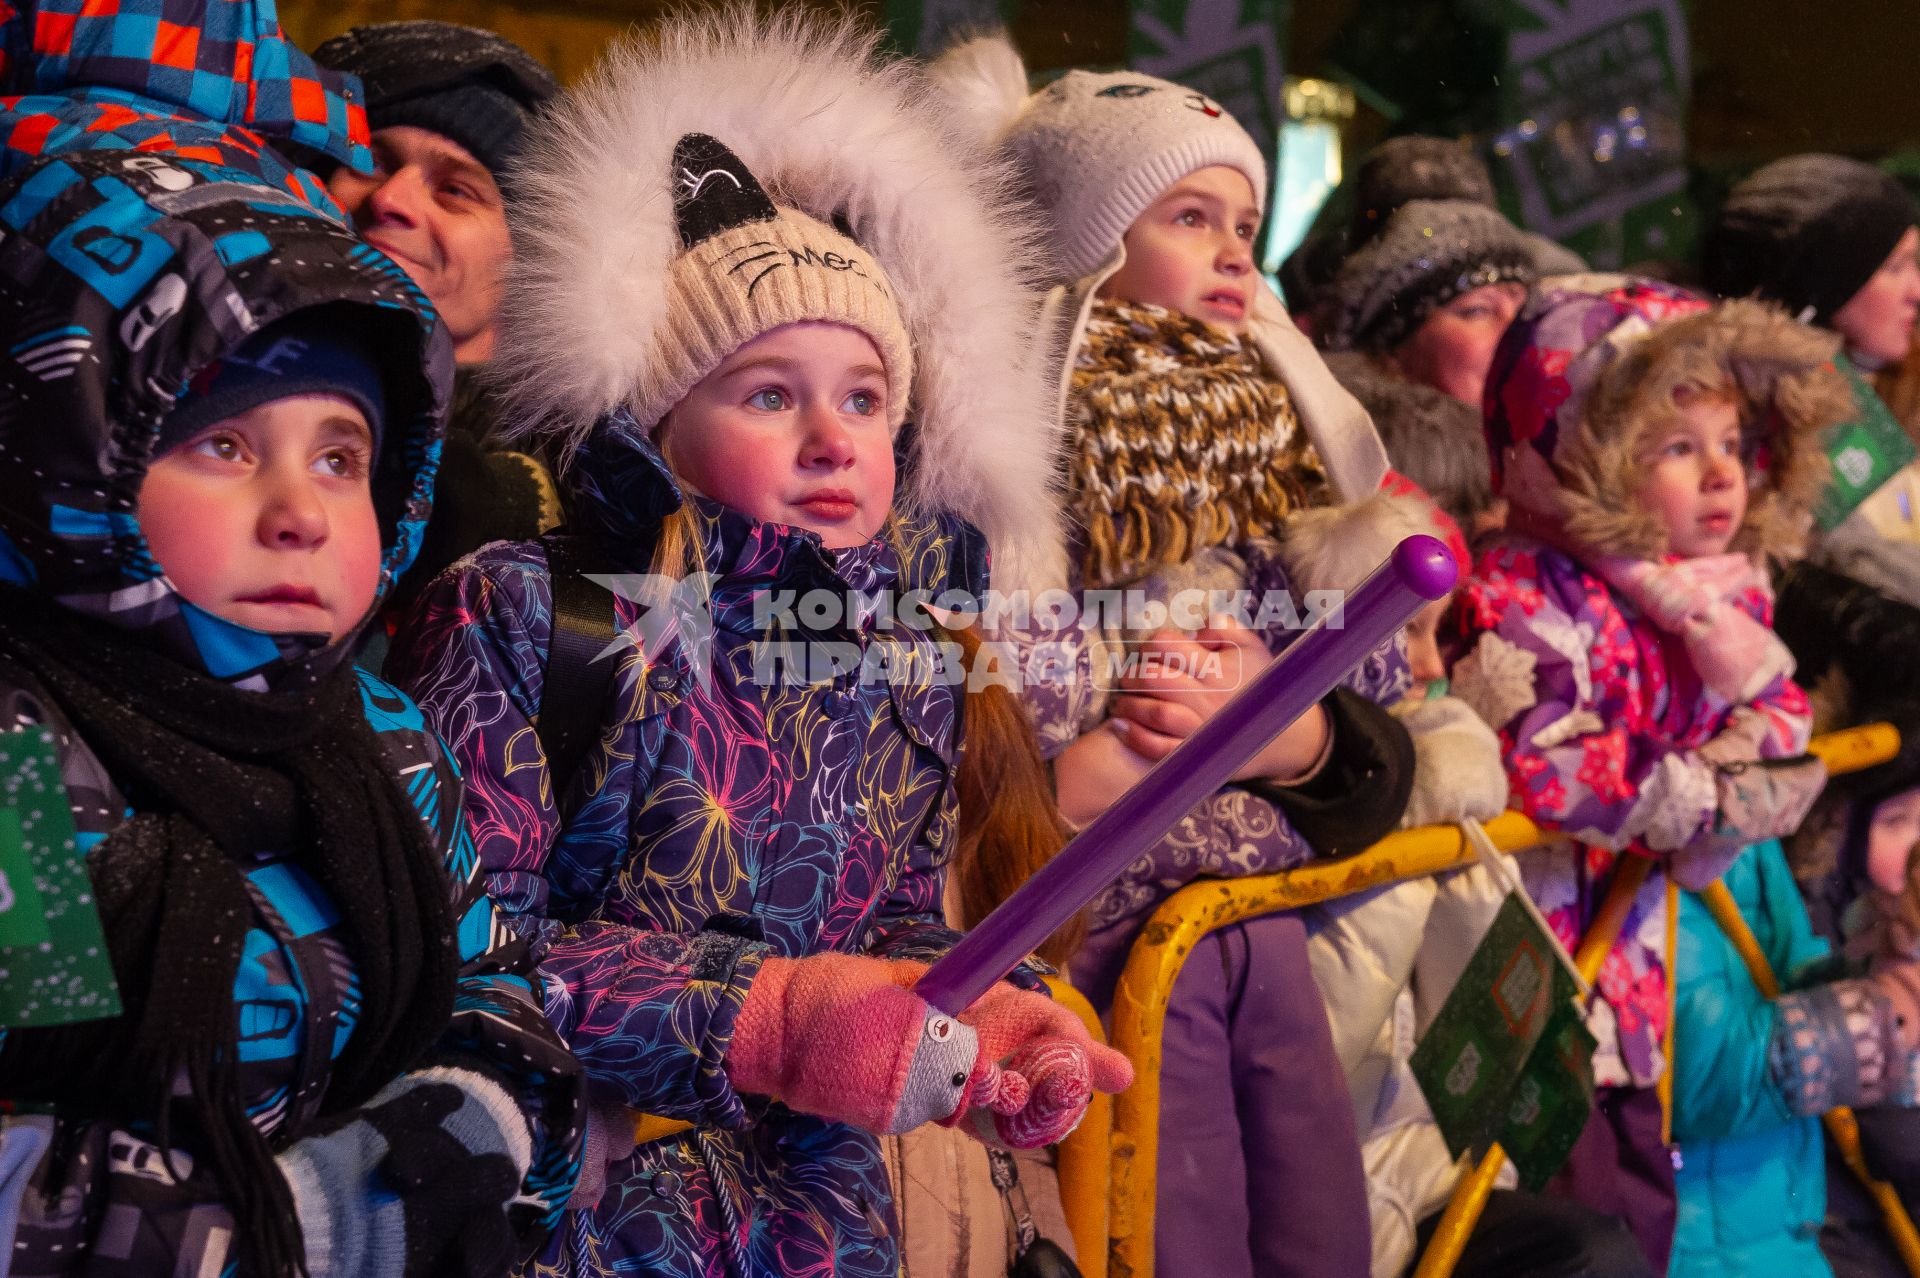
844 1037
1038 1069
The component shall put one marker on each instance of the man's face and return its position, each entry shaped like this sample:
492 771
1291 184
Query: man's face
435 210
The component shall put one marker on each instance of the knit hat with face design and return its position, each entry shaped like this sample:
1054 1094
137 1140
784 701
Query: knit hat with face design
1093 148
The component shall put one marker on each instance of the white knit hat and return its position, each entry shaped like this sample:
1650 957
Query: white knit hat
1095 148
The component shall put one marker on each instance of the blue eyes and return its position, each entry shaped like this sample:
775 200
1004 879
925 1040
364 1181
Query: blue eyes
773 400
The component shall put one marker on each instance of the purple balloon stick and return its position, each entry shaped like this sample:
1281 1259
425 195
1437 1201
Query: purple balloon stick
1419 571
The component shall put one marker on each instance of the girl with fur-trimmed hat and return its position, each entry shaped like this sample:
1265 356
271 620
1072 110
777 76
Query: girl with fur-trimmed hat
748 258
1657 452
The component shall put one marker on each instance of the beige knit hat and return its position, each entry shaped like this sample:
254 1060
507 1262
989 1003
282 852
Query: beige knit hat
749 267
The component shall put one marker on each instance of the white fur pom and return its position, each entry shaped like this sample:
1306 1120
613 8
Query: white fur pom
984 82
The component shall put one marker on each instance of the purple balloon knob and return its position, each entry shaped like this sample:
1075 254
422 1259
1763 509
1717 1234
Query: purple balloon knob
1425 566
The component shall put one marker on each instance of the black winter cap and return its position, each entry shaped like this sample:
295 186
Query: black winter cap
1808 232
472 86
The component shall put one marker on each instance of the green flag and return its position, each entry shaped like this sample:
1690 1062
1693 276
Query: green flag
1508 1056
1552 1098
1865 452
54 967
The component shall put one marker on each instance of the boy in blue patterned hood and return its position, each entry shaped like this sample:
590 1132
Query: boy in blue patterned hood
220 415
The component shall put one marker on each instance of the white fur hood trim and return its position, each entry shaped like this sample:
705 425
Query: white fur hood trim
831 130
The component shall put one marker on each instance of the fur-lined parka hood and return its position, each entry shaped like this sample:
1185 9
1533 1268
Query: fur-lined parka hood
1588 374
831 130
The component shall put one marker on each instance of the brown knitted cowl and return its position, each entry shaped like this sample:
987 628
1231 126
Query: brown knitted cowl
1183 441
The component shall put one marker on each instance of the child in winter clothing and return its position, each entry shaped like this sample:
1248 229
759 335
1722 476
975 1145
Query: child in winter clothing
1753 1075
1853 861
1756 1183
733 892
221 450
1203 421
1655 452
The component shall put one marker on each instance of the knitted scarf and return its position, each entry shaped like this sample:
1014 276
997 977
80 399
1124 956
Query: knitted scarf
1185 441
217 776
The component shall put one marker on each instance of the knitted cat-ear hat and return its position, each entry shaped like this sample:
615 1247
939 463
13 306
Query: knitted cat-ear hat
749 268
1094 148
728 172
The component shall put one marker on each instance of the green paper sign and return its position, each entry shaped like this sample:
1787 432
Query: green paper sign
1865 452
54 968
1552 1098
1508 1057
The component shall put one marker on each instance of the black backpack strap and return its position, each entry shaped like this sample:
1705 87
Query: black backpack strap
577 686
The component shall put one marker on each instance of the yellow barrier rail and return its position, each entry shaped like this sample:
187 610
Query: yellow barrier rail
1138 1018
1140 999
1083 1155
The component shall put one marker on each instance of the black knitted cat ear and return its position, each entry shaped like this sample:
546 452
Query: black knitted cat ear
713 191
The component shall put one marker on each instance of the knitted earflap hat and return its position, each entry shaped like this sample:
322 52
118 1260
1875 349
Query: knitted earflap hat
1807 232
1428 253
1594 366
733 171
1094 148
750 268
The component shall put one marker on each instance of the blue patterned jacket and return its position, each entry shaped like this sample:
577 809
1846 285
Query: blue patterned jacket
122 274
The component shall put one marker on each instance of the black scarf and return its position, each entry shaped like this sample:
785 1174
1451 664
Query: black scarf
217 776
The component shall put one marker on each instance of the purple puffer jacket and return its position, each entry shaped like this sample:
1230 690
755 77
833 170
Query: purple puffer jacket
715 823
1601 718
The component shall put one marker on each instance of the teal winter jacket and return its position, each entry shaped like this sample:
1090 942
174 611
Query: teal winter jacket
1752 1178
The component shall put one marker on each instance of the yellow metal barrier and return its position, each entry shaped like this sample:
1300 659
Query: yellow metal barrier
1140 1000
1083 1155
